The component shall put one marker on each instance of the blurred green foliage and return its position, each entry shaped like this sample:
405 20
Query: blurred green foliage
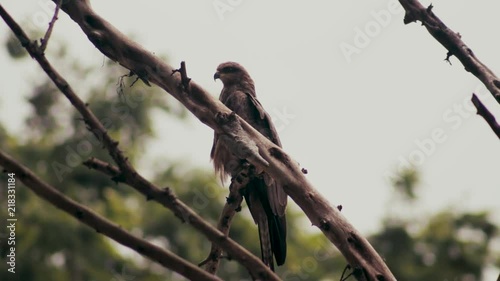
51 245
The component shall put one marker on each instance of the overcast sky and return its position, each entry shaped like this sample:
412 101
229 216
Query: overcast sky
354 92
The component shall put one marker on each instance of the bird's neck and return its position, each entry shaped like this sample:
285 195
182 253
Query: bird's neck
244 85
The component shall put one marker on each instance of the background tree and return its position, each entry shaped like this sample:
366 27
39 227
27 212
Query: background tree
448 245
130 211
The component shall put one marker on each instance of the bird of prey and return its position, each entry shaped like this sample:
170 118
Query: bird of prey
265 197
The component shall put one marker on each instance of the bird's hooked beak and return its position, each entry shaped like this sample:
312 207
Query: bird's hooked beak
216 75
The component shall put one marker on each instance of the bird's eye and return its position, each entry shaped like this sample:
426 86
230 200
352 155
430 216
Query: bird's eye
229 69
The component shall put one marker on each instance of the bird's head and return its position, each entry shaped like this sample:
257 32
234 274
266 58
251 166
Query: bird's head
231 73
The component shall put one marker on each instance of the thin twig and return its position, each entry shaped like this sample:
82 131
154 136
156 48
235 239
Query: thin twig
232 206
101 224
344 277
184 77
452 41
486 114
45 39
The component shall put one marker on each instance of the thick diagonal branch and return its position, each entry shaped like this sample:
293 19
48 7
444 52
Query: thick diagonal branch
452 41
486 114
367 264
102 225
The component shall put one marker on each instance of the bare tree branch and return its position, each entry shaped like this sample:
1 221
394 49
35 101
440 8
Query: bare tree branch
365 261
452 41
45 39
486 114
233 205
164 196
102 225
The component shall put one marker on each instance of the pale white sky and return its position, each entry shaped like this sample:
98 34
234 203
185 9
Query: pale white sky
351 118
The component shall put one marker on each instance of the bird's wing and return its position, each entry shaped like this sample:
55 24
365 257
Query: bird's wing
276 194
266 120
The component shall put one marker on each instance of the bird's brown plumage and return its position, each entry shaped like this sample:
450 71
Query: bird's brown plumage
265 197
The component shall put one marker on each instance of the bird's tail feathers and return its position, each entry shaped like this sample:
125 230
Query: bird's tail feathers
266 244
272 227
277 229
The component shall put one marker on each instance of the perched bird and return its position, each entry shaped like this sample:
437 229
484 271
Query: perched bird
265 198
